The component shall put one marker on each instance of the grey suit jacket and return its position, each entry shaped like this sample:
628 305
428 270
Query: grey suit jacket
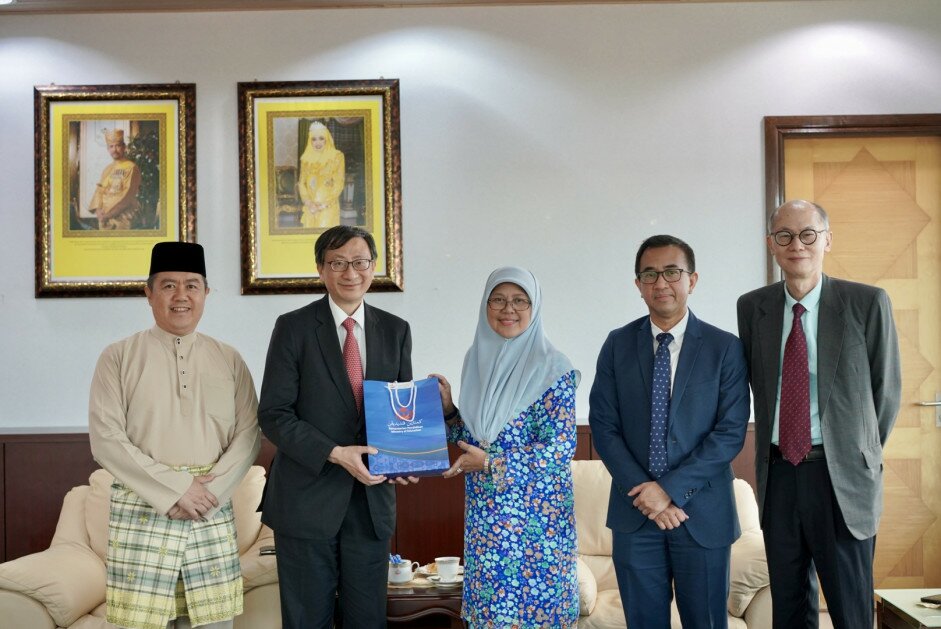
859 387
306 408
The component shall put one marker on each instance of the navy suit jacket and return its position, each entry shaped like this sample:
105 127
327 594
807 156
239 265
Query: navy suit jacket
306 408
709 410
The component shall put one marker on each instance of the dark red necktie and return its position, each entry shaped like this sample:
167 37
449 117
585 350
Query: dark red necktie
354 365
794 418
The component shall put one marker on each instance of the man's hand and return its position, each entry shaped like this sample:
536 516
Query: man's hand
670 518
401 480
350 458
650 498
196 502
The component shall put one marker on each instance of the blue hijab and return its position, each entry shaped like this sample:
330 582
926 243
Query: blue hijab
503 377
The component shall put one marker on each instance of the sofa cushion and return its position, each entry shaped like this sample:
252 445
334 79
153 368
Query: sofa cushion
68 579
587 588
592 484
748 572
97 508
746 505
245 500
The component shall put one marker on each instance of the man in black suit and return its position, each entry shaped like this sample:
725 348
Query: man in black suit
332 519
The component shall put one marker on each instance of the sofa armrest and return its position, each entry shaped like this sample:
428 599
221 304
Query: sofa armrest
19 610
587 588
758 612
748 571
258 569
67 579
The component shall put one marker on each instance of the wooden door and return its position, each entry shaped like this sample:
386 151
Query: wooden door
883 195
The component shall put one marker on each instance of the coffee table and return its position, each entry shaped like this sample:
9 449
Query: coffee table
408 604
898 609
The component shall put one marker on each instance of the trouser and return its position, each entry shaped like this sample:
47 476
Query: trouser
351 569
804 533
651 564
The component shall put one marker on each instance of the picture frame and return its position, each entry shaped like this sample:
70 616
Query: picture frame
314 154
115 173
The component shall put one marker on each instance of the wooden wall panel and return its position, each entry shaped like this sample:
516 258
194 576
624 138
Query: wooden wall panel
37 470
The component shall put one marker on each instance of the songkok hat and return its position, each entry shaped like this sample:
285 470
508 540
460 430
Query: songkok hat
113 136
186 257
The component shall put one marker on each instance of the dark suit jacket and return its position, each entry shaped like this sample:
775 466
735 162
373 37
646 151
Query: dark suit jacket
858 387
706 426
307 408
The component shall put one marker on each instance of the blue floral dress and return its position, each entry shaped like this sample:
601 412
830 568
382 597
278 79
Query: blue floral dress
519 521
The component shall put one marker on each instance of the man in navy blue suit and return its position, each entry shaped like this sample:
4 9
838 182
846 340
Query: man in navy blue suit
667 425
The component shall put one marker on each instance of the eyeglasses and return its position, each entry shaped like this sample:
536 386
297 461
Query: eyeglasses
360 264
807 236
517 303
670 275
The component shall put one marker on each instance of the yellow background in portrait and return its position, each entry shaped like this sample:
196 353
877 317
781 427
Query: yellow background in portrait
110 257
292 255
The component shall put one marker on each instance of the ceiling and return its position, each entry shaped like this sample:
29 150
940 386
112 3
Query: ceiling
139 6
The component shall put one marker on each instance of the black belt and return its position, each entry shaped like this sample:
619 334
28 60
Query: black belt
816 453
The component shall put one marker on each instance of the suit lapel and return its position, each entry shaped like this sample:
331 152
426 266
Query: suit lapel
332 354
644 342
692 343
374 344
830 326
770 326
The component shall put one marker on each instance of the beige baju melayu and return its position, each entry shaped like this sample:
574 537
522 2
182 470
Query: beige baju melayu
163 409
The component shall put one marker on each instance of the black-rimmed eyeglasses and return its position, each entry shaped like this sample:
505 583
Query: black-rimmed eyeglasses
360 264
670 275
807 236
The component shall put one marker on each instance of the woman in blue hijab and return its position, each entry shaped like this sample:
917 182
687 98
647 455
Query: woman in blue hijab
516 427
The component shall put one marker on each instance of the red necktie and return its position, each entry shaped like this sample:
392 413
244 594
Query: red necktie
354 366
794 418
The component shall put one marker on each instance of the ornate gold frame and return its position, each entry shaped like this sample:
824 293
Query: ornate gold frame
113 264
263 238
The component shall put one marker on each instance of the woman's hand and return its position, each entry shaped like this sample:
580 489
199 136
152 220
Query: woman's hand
471 461
444 388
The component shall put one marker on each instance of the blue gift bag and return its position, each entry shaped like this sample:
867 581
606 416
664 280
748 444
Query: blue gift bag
405 422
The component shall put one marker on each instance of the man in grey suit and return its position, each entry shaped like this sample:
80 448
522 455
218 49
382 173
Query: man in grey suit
823 362
331 517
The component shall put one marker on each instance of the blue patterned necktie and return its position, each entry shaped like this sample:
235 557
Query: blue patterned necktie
660 406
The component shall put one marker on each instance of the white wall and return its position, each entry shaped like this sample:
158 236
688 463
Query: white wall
555 137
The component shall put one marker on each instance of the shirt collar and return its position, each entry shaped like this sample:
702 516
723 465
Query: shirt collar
810 301
359 315
677 330
173 341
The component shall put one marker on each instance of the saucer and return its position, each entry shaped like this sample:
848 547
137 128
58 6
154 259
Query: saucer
446 582
432 569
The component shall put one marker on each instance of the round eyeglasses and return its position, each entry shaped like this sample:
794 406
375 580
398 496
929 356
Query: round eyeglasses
670 275
517 303
807 236
360 264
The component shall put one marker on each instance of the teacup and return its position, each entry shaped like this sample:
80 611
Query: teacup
447 568
402 572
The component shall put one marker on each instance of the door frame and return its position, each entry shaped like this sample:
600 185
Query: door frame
777 129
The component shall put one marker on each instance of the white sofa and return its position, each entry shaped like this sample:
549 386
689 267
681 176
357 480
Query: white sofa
599 600
64 585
